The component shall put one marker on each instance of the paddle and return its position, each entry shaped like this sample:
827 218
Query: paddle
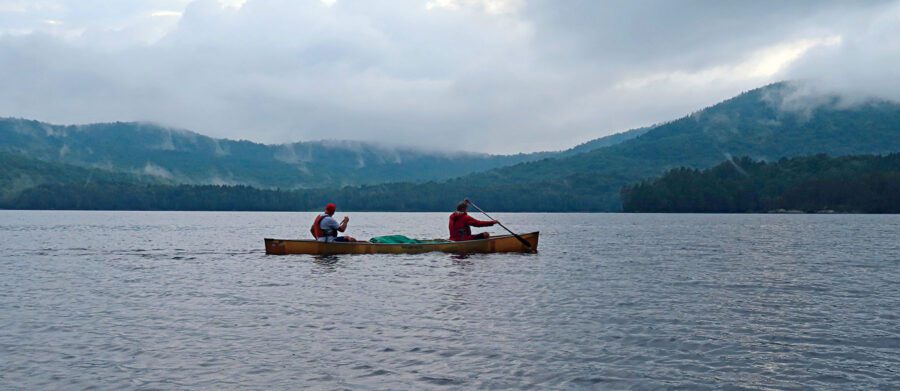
521 239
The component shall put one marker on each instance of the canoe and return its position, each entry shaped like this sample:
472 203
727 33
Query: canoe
494 244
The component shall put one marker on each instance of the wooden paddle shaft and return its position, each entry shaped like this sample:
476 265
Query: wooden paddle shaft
521 239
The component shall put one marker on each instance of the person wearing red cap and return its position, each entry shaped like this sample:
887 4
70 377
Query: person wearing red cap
461 223
326 228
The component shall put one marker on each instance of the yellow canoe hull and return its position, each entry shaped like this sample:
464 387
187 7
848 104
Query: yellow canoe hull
496 244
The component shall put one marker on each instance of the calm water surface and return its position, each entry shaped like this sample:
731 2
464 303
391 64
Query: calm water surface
159 300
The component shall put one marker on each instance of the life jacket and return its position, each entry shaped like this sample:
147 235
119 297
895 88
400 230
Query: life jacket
459 227
318 232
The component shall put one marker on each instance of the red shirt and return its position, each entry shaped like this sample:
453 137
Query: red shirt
460 224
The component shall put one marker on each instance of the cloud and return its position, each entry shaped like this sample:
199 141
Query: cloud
759 66
166 14
863 66
237 4
25 6
494 7
483 75
157 171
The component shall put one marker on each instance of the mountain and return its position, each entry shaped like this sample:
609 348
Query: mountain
604 142
186 157
182 156
765 124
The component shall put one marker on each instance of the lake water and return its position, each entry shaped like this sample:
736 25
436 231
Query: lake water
173 300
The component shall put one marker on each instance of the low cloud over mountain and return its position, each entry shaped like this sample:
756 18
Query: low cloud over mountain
486 75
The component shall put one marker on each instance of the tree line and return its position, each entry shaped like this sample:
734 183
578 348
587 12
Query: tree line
863 183
866 184
401 197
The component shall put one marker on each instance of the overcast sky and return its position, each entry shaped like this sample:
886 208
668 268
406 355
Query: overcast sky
496 76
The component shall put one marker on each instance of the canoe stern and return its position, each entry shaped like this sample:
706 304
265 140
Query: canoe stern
275 247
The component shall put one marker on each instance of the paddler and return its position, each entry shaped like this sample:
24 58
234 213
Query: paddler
326 228
461 223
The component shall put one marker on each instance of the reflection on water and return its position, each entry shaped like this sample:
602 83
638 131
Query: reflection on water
325 263
461 259
125 300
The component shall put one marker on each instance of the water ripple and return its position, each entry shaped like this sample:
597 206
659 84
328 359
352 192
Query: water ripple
133 300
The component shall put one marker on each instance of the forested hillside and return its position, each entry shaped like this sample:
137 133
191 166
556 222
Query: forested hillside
185 157
868 184
20 173
757 124
763 124
191 158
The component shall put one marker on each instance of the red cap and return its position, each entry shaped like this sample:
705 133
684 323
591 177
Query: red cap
330 208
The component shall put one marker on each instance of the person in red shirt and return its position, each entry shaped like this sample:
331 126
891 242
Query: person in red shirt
461 223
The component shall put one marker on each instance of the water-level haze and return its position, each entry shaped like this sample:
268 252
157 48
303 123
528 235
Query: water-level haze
174 300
